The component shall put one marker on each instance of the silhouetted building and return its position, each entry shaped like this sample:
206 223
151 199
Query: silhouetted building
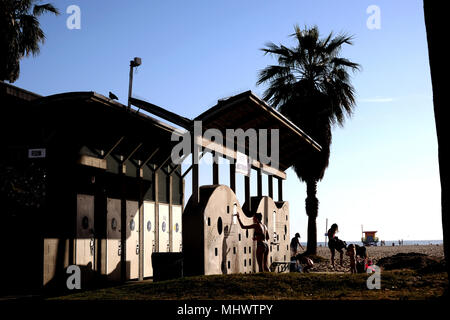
80 178
87 182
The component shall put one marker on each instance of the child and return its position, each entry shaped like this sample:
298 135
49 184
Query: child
351 252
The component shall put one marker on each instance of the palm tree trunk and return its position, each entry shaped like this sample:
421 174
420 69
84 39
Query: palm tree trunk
436 27
312 208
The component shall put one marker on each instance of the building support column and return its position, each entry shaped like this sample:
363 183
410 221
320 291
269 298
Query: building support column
233 175
123 224
195 172
141 225
215 168
280 189
170 186
156 197
247 193
259 182
270 184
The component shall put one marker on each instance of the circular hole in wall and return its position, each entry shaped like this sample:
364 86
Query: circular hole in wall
85 222
114 224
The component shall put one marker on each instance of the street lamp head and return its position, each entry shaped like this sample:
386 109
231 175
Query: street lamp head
136 62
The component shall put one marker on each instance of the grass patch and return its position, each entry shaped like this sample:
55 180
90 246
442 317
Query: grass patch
405 284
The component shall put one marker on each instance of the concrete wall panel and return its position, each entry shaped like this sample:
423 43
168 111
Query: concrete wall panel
149 237
177 228
132 241
113 240
84 244
163 242
281 251
226 247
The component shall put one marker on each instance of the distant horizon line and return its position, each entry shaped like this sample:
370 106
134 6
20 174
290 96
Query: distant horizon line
385 240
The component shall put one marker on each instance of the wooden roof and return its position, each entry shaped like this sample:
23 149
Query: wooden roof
107 124
245 111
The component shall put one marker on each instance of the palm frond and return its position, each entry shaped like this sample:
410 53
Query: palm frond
21 33
273 71
44 8
31 35
342 62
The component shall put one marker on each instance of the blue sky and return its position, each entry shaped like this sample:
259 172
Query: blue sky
383 169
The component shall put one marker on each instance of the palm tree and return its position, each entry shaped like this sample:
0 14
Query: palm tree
435 24
311 86
21 34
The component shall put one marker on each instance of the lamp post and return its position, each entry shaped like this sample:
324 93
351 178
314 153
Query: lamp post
133 63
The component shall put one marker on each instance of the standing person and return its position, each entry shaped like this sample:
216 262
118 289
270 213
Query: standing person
335 244
260 235
295 243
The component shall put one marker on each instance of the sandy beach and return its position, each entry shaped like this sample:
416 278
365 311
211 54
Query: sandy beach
374 253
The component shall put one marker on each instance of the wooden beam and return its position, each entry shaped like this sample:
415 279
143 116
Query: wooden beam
173 169
187 171
268 169
176 166
229 153
162 113
149 157
113 147
92 162
133 152
190 167
163 163
165 171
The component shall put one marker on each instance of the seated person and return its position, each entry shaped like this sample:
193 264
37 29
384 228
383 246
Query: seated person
305 262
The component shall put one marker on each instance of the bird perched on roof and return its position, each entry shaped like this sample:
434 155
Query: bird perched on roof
113 96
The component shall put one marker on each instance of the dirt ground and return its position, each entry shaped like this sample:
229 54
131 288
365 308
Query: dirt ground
374 253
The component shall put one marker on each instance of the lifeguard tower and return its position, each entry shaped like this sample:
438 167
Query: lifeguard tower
369 238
